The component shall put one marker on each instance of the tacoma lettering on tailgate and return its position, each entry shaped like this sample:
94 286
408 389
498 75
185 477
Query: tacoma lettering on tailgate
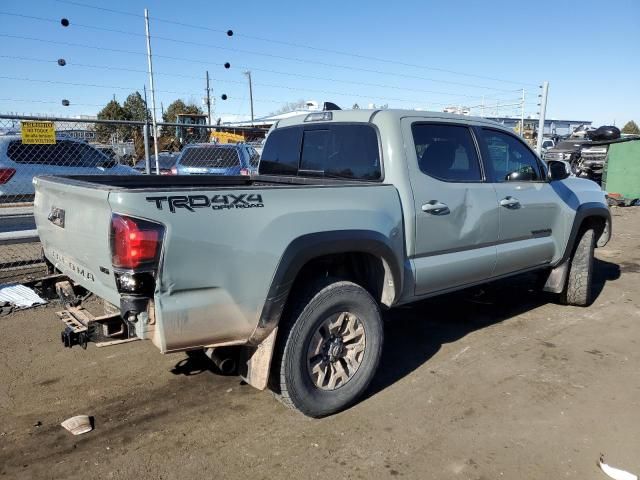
78 269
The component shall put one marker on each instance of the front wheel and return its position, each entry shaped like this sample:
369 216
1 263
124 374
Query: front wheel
578 289
330 349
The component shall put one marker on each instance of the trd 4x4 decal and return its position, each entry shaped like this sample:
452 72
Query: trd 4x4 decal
216 202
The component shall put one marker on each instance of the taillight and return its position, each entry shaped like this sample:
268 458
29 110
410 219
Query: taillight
244 171
6 174
134 242
174 171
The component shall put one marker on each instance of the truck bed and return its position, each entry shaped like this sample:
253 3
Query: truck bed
165 182
225 240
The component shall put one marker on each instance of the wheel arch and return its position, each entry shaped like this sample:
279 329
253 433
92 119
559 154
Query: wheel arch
308 254
592 214
589 215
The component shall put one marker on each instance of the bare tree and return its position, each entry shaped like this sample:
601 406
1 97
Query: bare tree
290 107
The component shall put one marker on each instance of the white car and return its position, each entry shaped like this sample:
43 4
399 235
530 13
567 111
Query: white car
20 162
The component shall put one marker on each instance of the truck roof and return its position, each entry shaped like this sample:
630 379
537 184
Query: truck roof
366 115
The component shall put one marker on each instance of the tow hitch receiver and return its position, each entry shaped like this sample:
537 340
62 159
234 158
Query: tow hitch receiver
81 327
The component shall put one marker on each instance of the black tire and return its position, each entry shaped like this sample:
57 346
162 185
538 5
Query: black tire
578 289
291 380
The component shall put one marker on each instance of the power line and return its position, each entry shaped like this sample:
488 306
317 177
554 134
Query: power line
271 55
299 45
330 92
24 100
432 92
117 87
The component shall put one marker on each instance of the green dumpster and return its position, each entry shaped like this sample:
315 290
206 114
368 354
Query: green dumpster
622 170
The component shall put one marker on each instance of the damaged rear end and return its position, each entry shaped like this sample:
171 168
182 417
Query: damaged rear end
113 255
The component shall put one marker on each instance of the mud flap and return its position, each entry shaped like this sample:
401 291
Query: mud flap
255 362
557 278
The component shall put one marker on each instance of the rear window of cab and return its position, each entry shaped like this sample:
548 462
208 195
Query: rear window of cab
335 150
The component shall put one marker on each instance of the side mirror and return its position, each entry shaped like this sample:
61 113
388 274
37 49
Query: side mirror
558 169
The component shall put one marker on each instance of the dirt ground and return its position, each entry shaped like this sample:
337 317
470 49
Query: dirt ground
500 385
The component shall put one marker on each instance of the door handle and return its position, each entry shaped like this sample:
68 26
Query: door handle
434 207
510 202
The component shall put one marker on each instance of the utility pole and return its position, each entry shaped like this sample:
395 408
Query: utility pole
208 99
543 112
145 133
248 74
522 115
153 94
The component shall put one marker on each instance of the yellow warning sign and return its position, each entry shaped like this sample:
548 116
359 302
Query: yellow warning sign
37 132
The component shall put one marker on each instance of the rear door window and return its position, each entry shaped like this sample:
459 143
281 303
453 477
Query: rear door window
446 152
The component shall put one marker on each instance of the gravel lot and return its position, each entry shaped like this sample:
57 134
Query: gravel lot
502 384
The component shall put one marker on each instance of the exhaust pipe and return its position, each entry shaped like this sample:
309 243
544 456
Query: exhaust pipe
221 359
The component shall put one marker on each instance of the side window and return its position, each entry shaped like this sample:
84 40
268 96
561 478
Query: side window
446 152
508 159
282 152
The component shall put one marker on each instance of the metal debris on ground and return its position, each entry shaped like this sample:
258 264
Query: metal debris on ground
615 473
19 296
78 425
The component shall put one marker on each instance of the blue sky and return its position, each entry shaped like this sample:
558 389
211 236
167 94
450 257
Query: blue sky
403 54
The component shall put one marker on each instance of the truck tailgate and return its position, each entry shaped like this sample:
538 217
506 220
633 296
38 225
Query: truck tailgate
76 240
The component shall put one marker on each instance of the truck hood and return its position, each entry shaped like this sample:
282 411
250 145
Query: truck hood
576 191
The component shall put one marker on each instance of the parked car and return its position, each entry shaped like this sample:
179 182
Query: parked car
287 272
218 159
166 164
591 162
20 162
547 143
586 158
566 150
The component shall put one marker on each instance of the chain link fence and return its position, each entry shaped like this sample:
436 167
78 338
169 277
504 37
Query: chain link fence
33 146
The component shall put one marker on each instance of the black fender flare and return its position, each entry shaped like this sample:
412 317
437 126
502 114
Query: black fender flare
308 247
584 211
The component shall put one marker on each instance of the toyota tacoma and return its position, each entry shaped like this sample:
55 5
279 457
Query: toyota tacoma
351 213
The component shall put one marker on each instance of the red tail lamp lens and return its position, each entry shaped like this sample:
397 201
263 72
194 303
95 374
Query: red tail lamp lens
6 174
134 242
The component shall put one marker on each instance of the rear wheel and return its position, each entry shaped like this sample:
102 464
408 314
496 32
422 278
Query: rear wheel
578 289
329 350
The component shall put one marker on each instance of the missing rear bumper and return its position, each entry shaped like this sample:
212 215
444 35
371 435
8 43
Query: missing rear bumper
81 328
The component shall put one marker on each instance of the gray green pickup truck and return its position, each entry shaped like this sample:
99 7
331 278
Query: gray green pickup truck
351 213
